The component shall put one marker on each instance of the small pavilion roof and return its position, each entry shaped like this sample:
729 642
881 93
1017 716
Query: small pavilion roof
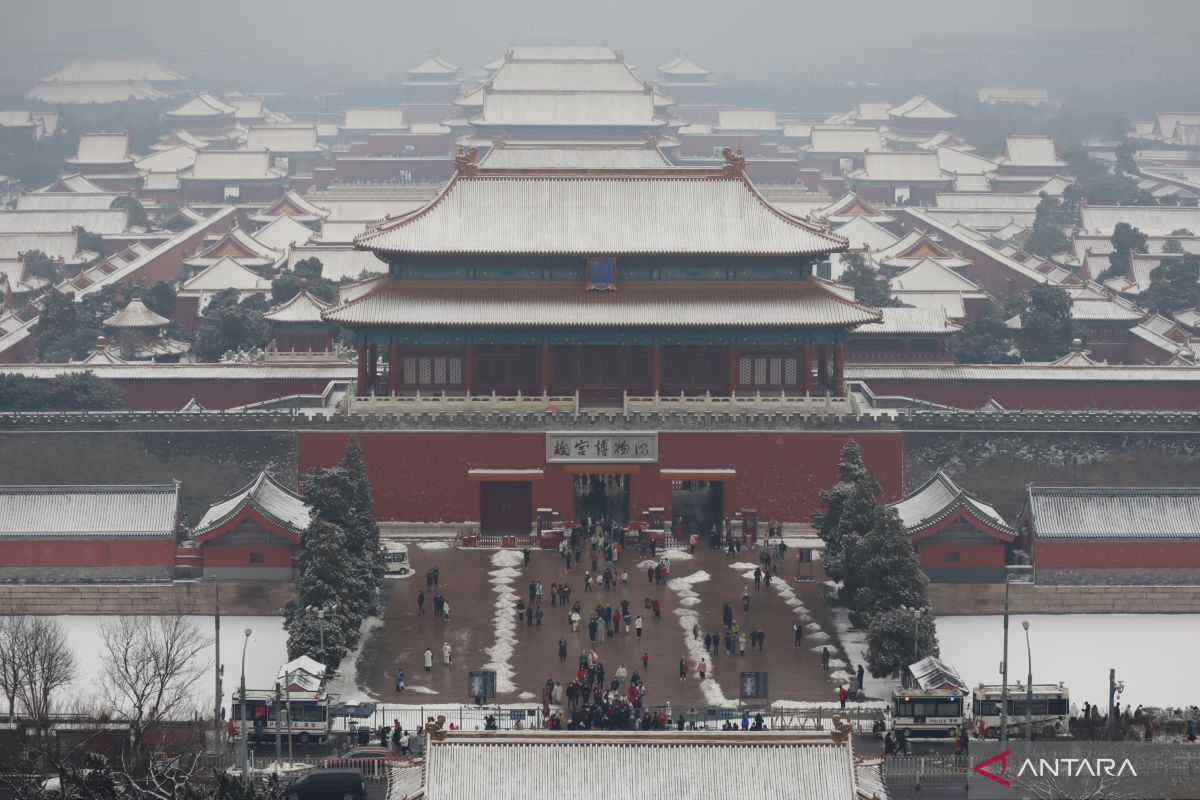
920 107
112 71
929 275
939 498
434 65
863 234
848 206
103 148
270 499
1031 151
226 273
136 315
292 204
203 104
683 66
301 309
282 232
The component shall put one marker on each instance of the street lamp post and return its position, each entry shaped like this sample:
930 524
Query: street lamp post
320 612
1028 686
245 750
278 730
1022 572
917 612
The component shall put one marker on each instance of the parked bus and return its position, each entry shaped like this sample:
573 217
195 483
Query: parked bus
930 701
395 557
303 715
1051 710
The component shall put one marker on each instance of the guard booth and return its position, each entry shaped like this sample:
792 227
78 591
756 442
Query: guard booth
749 518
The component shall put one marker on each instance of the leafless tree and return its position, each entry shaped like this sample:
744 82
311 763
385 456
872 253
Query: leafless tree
48 664
150 666
13 631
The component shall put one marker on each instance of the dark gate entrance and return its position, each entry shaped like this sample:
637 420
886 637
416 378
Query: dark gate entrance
599 496
505 507
601 374
700 503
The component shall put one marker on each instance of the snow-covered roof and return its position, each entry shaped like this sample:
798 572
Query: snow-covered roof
303 664
374 119
707 212
172 159
84 512
302 308
94 93
940 497
1114 512
433 65
898 320
976 201
561 52
337 261
102 148
237 243
281 232
515 765
264 495
753 120
996 94
920 107
874 110
836 139
933 673
929 275
916 244
203 104
226 273
293 138
1031 151
864 234
1146 374
981 220
848 206
136 315
577 76
1150 220
569 156
113 70
66 201
73 183
811 303
682 66
590 109
99 221
233 165
947 303
961 162
292 204
247 108
890 167
1166 122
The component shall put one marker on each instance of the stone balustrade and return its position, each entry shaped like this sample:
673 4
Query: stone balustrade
470 403
757 402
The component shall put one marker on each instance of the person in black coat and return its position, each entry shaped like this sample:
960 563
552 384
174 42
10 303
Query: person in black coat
861 673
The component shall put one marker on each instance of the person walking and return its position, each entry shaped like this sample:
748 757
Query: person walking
437 574
742 643
562 651
707 642
762 639
861 674
445 609
587 581
645 660
657 609
825 659
757 577
446 653
746 601
683 668
428 659
421 603
702 668
842 697
399 680
797 634
637 626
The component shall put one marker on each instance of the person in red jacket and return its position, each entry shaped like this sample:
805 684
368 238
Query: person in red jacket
842 696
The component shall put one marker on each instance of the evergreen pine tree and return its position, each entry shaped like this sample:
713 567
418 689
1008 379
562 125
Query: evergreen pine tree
886 573
890 641
324 578
848 512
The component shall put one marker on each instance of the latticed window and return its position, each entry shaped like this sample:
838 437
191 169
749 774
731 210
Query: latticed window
432 371
765 371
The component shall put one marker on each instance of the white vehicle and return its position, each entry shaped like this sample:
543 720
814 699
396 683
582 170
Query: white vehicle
395 556
300 714
930 701
1051 710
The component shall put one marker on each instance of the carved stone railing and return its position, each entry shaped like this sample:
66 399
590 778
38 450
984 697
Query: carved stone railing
756 402
449 403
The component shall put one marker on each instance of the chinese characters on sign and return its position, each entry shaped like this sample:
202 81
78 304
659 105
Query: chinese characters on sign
614 447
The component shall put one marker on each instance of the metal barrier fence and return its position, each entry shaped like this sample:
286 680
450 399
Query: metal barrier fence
916 772
262 765
468 717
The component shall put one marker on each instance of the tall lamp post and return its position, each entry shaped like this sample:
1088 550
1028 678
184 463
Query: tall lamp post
1013 573
916 612
321 612
1028 686
245 749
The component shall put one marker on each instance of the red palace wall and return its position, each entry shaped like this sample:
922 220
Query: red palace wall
419 476
239 556
91 553
933 555
1120 555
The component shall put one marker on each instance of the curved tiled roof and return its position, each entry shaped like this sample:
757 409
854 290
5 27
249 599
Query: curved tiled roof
940 497
670 211
265 495
136 315
303 307
88 511
1114 513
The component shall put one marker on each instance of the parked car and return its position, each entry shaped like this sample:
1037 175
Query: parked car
329 784
371 760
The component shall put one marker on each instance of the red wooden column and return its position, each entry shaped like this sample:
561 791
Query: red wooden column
839 364
822 367
469 368
733 369
394 369
656 368
805 367
545 370
361 389
372 365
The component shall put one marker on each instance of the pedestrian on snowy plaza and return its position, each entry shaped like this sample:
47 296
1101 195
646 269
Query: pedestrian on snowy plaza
645 661
428 659
702 668
399 680
797 634
657 609
446 653
696 632
537 616
637 626
742 643
683 668
707 642
757 576
587 581
842 696
525 553
861 674
762 638
437 574
746 601
562 650
825 659
445 609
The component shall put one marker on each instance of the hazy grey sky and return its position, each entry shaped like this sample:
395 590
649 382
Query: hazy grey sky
738 38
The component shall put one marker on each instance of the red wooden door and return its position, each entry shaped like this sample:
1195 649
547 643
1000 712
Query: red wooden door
505 507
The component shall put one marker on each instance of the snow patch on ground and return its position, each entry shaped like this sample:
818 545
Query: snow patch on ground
647 564
819 636
813 627
836 663
678 555
435 545
688 618
505 619
744 565
508 558
689 601
526 696
420 689
840 676
854 645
